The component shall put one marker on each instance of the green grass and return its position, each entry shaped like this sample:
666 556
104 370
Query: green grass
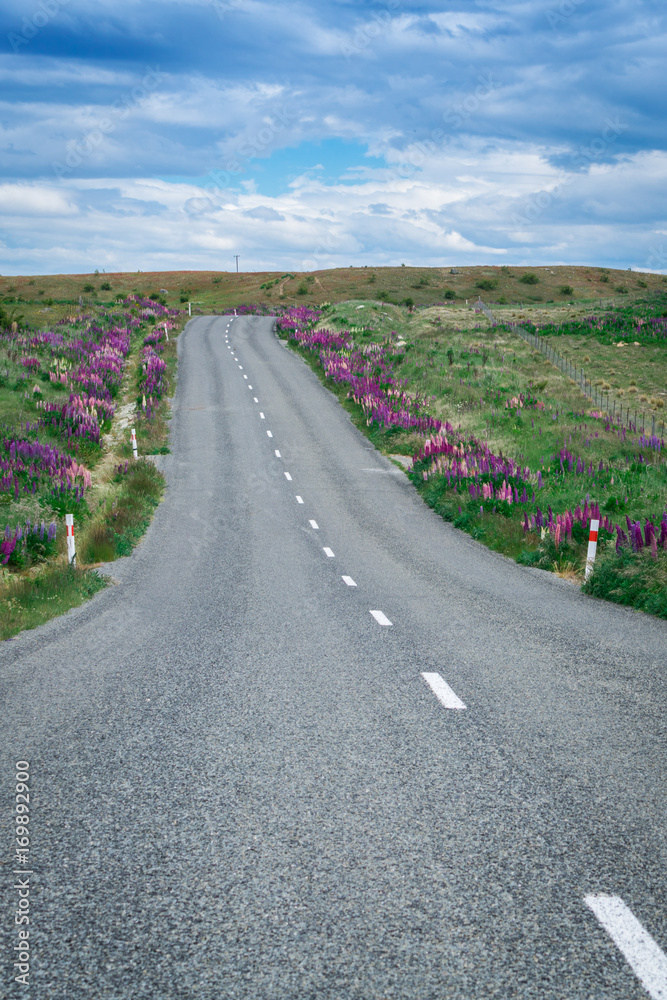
633 579
48 298
471 371
116 510
26 602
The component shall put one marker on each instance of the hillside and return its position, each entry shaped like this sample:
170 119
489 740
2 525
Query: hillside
45 299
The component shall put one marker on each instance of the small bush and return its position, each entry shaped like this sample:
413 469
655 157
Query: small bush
98 545
105 286
566 290
486 284
88 288
634 579
302 289
450 295
604 278
621 290
529 279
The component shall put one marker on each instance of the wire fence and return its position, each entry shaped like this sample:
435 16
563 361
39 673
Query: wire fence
631 417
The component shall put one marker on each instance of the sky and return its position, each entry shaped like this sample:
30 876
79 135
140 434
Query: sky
173 135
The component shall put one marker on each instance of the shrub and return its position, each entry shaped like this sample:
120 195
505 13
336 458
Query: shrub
529 279
621 289
632 578
566 290
449 294
486 284
88 288
105 286
302 289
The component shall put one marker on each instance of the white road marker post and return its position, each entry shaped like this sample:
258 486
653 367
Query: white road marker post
189 308
133 438
166 331
592 547
71 547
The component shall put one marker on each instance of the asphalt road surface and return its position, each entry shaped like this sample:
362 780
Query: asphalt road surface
315 743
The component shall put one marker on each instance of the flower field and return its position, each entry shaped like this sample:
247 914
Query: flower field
514 458
59 392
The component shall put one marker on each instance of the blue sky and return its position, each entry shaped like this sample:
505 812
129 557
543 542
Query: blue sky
144 136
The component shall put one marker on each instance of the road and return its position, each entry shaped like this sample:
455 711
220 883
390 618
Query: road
244 787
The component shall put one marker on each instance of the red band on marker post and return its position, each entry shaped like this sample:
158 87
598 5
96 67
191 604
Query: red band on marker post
69 531
592 547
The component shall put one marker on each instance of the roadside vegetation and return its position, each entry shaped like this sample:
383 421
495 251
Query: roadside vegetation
69 392
504 445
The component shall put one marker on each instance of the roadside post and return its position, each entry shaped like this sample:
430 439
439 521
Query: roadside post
189 308
592 547
71 546
133 439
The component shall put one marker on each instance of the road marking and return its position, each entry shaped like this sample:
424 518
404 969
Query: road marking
287 476
349 581
442 691
640 951
299 499
254 397
269 434
380 618
314 525
240 367
261 416
245 376
278 455
328 553
250 387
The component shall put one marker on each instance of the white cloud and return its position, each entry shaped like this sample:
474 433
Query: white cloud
33 200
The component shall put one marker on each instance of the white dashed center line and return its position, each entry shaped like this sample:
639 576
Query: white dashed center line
278 455
287 476
442 691
380 618
254 397
314 525
250 387
245 376
241 367
299 499
328 553
269 434
640 951
261 416
349 581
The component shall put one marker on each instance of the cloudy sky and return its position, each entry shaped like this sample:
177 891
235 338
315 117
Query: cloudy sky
302 135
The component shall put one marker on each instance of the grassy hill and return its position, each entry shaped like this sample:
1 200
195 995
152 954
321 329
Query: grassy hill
46 299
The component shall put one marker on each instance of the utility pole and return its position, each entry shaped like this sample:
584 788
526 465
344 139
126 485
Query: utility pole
236 258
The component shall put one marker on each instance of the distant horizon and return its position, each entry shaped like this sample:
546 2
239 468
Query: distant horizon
277 270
